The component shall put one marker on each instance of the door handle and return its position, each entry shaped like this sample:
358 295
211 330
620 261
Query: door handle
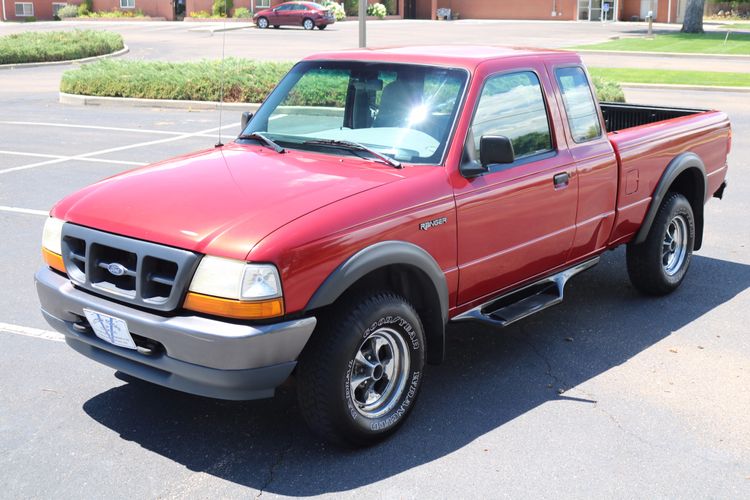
561 180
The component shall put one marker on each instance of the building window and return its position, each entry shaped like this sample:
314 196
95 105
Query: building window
56 7
127 4
262 4
24 9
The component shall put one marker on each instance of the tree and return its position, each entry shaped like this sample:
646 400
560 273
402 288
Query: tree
693 22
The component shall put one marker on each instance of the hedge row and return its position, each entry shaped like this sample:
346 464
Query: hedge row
244 81
32 47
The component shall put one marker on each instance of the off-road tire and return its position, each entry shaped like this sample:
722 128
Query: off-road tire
655 267
329 367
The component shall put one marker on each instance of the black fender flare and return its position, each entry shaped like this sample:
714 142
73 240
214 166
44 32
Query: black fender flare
380 255
679 164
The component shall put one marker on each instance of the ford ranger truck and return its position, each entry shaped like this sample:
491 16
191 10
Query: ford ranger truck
375 196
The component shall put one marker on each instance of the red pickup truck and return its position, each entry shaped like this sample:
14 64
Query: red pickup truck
375 196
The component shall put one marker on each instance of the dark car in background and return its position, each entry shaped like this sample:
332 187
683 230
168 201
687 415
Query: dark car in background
305 14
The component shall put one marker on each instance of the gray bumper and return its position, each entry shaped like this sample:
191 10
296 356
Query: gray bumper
201 356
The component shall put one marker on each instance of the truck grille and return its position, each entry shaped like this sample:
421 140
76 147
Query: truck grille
133 271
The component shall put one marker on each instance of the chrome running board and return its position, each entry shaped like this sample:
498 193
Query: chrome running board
518 304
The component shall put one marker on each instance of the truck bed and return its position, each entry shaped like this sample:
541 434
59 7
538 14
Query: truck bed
646 139
619 116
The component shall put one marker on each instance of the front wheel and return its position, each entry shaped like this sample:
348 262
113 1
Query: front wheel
308 24
659 264
360 374
262 23
322 27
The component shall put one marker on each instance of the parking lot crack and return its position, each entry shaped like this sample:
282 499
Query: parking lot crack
526 338
272 470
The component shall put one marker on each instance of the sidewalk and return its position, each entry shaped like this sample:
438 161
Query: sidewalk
647 61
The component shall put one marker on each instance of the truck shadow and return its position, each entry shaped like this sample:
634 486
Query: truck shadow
489 378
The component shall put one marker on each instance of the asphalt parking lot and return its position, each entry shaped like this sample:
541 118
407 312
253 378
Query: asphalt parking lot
608 395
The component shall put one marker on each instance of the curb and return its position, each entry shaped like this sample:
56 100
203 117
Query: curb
664 86
740 57
87 100
219 29
85 60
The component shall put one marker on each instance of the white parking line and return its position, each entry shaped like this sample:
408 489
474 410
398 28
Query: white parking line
66 158
93 127
27 331
29 211
112 150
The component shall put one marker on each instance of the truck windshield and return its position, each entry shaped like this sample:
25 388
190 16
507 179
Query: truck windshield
402 111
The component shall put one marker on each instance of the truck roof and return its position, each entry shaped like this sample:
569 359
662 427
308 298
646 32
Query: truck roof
466 56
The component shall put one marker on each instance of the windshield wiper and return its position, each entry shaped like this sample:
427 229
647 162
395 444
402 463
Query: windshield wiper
356 146
265 140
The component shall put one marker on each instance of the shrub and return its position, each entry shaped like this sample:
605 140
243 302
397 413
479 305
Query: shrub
338 10
29 19
607 90
351 7
57 45
242 13
221 7
244 80
200 14
83 9
377 10
68 11
390 7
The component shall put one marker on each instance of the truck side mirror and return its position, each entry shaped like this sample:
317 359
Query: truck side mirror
495 149
245 119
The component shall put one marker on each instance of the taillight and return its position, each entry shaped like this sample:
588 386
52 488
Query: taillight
729 142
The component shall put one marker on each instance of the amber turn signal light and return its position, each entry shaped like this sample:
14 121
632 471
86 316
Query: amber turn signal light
53 260
229 308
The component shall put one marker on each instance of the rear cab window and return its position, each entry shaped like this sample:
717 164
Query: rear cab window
579 103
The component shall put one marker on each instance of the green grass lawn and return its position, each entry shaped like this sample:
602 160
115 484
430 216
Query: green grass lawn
707 78
31 47
707 43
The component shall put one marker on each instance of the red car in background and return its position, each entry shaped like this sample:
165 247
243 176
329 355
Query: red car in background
305 14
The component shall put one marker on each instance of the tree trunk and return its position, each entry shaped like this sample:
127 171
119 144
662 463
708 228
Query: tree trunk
693 22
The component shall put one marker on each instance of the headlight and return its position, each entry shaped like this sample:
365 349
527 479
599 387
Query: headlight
234 288
52 244
52 235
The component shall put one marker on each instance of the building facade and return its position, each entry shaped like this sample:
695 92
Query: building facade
671 11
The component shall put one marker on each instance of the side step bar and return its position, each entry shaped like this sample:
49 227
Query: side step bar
511 307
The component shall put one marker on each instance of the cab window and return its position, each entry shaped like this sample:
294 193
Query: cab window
512 105
579 103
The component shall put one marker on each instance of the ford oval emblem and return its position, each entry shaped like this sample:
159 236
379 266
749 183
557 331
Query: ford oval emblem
116 269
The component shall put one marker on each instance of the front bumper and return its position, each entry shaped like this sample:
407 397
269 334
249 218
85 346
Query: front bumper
200 356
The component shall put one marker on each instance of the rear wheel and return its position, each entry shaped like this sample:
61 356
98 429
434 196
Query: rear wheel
308 24
262 23
659 264
360 374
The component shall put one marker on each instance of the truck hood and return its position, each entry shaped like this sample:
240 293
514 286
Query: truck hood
223 201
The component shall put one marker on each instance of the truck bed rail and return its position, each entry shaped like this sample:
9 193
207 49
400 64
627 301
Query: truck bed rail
619 116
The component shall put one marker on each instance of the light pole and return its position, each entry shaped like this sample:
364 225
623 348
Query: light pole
362 24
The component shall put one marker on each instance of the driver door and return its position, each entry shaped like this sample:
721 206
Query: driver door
517 220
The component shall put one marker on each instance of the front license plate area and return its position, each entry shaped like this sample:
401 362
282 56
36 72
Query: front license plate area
110 329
